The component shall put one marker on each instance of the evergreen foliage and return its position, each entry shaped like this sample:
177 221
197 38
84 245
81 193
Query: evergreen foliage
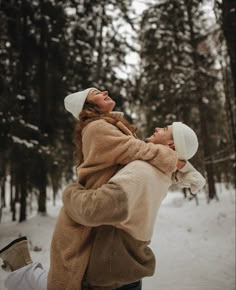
49 49
181 79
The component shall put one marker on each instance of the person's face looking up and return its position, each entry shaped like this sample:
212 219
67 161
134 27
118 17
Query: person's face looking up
101 99
162 136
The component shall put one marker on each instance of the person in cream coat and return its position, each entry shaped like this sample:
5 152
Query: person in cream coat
128 205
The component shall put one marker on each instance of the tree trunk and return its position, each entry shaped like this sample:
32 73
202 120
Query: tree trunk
54 189
13 198
3 192
43 108
42 189
16 199
42 200
202 109
2 188
229 28
207 151
21 88
229 107
23 195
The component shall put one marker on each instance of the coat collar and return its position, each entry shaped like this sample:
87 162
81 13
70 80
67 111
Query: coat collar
118 114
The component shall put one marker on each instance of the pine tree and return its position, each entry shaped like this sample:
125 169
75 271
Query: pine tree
30 93
179 80
47 50
229 28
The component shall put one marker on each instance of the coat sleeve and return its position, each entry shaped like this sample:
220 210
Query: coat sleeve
107 142
107 205
189 177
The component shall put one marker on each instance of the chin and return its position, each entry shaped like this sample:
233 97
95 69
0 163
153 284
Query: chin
113 105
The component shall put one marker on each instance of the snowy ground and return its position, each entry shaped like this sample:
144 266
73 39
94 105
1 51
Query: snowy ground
194 245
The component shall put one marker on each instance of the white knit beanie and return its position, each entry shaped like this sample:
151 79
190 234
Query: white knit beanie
185 140
74 102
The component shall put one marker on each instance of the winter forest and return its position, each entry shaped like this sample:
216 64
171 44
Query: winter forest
160 60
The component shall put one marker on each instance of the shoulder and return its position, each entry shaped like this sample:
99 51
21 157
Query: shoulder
141 170
100 126
95 124
138 167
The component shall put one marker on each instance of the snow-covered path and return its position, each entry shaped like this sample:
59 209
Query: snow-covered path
194 245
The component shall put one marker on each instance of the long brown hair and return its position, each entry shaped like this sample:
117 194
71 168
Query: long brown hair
90 113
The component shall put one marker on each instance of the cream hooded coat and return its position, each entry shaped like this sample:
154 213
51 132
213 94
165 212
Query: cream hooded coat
127 205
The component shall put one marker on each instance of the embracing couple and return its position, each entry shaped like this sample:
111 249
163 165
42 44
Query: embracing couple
103 231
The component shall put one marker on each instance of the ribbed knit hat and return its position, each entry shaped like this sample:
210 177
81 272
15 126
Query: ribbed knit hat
74 102
185 140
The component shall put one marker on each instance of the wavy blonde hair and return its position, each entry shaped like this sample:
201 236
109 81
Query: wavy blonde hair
90 113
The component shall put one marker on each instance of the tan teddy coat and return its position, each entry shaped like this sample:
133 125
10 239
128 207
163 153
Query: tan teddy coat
105 147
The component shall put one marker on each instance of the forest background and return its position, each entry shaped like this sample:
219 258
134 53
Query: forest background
174 61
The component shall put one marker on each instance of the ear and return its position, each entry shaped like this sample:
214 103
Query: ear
171 145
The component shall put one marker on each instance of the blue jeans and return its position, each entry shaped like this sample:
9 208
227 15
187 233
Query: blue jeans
132 286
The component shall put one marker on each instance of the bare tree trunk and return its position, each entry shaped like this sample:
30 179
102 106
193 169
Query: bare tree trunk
207 151
229 107
43 109
2 189
42 189
202 109
185 192
1 207
16 199
21 87
3 197
3 192
54 195
23 195
54 189
13 197
229 28
42 200
2 183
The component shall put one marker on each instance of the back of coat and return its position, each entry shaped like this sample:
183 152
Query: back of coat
71 242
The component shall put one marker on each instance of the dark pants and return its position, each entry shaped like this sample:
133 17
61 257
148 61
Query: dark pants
133 286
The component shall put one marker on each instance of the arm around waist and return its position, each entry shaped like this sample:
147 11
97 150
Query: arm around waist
107 205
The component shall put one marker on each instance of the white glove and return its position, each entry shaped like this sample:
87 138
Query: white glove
189 177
